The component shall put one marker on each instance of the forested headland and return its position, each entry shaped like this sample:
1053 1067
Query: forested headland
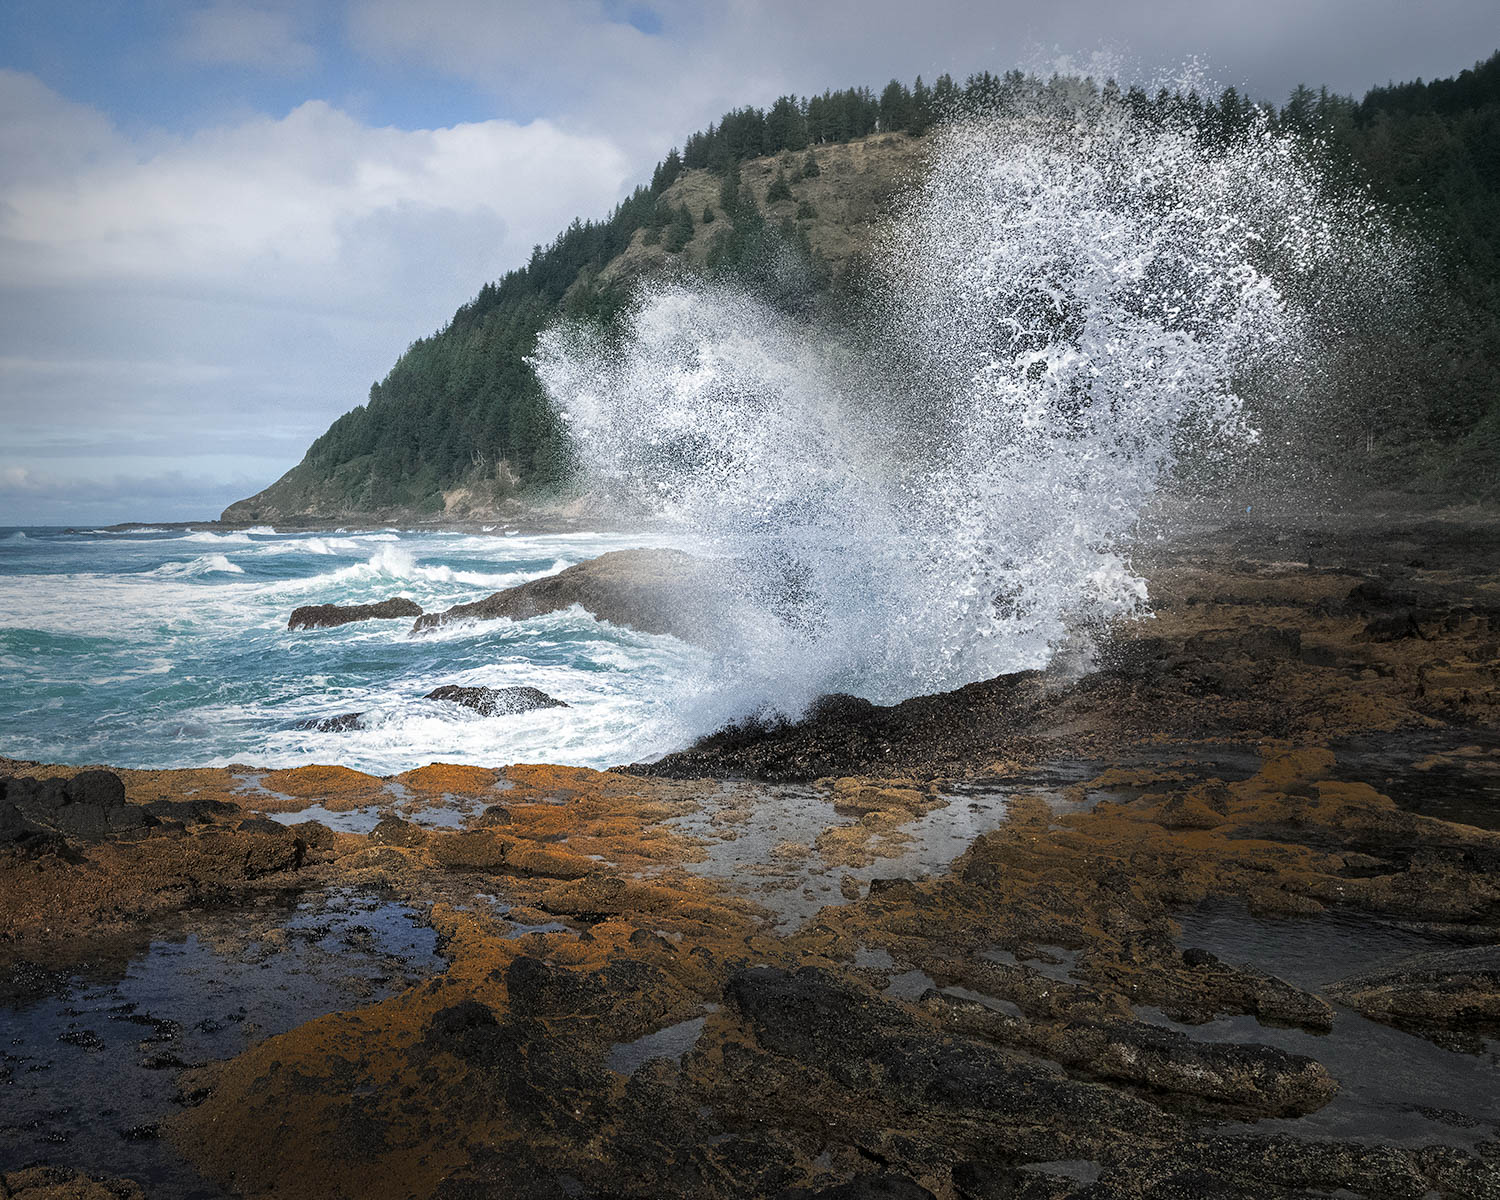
460 424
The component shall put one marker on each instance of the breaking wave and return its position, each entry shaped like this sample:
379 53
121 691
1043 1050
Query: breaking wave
204 564
1075 301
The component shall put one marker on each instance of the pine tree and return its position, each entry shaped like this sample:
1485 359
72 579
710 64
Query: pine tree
680 232
779 189
729 189
810 166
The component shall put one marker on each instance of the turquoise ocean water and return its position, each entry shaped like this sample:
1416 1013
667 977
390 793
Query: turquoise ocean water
165 648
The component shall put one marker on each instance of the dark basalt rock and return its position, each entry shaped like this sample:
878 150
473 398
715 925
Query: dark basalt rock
496 702
868 1044
845 735
325 616
17 833
192 812
90 806
339 724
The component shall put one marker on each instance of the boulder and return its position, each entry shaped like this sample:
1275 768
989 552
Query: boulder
90 806
325 616
654 591
391 830
496 702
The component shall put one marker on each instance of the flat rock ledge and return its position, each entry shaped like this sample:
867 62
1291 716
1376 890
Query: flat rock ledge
326 616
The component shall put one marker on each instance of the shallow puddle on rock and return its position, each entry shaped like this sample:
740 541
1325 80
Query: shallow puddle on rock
1453 774
353 820
1058 963
1311 952
673 1042
89 1070
1394 1087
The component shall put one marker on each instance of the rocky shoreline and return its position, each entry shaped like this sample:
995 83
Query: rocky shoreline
1218 918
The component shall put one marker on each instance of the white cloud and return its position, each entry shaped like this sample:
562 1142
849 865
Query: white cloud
246 283
581 58
227 34
288 206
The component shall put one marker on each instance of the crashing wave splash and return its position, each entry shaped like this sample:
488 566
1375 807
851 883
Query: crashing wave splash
1073 296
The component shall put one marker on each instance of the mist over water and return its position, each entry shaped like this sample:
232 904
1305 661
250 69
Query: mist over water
1072 306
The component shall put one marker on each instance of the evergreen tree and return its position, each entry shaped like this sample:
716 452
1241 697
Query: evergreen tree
729 189
680 231
779 189
810 166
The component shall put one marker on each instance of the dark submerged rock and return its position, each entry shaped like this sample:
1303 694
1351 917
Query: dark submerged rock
339 724
496 702
326 616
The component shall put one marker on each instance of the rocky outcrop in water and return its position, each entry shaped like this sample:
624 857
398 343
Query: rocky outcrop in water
341 723
326 616
496 702
653 591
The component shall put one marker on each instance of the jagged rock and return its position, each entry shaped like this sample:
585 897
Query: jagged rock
654 591
496 702
325 616
90 806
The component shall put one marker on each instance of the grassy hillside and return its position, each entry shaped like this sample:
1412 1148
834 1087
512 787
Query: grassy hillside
459 425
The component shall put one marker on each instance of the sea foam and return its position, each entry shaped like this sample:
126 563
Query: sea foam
1072 297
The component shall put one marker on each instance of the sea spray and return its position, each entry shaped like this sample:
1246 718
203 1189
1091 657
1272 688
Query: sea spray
1073 295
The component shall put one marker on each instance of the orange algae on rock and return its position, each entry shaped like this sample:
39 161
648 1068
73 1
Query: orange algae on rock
335 788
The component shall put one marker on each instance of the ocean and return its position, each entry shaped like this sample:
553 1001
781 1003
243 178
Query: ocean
169 648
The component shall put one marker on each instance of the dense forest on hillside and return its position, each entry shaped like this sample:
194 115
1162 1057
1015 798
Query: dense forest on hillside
462 408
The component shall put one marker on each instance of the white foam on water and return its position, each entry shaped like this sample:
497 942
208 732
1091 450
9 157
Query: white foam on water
1070 296
202 565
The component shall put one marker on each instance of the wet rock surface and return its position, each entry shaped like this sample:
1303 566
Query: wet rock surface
1448 992
654 591
328 616
496 702
341 723
1191 925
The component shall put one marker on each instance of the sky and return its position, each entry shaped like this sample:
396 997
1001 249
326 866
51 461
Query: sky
221 222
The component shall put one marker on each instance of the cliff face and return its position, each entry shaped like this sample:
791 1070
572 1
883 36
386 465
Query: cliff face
459 428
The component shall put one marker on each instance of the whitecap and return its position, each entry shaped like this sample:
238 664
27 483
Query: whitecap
204 564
